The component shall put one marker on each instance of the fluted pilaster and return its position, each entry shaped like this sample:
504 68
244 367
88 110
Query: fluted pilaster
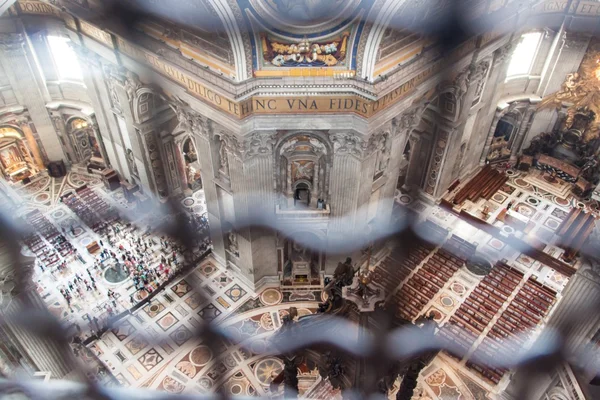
23 76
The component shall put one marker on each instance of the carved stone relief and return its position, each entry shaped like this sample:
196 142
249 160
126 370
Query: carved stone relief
131 161
436 163
156 165
189 120
348 143
259 143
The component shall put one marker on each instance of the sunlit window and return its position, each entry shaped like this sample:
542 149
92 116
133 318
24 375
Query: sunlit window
65 58
522 59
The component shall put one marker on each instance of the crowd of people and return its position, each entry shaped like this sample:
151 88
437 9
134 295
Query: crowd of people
142 259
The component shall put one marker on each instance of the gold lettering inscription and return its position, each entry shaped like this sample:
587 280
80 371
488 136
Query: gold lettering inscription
96 33
36 7
553 6
279 105
588 8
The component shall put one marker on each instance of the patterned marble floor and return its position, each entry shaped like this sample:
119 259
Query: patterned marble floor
156 347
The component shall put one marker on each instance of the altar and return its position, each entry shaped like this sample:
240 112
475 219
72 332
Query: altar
16 163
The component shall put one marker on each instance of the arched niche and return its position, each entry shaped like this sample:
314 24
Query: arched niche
504 135
300 264
84 139
16 159
193 175
446 104
302 169
144 105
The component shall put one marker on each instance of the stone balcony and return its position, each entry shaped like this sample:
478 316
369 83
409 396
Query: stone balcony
302 213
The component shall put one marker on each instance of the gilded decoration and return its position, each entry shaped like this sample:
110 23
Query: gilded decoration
580 92
305 53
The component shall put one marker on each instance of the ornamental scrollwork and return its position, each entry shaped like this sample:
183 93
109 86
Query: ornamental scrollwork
304 53
259 144
348 143
503 53
189 120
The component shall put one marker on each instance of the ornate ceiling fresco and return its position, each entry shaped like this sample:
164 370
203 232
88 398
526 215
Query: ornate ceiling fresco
304 33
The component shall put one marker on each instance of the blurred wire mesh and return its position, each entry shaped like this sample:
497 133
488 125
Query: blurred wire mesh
362 355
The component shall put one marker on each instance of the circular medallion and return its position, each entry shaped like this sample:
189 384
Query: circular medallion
447 301
270 297
267 369
235 389
200 356
266 322
479 265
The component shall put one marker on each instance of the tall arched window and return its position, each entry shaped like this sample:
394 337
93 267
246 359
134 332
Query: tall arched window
65 59
524 55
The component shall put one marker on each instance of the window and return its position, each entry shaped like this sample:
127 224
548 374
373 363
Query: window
522 59
65 58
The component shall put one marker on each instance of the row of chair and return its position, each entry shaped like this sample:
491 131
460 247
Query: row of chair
426 283
479 308
512 329
487 182
47 243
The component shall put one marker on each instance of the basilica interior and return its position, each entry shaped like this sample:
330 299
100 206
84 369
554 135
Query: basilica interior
317 199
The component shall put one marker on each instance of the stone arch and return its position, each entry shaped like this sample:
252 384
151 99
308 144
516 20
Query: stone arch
381 17
144 105
16 159
504 129
302 153
188 154
447 104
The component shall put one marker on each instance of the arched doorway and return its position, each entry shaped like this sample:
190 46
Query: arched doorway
302 191
86 144
303 173
16 160
192 165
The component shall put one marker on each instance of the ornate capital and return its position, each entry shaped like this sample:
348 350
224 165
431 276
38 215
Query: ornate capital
479 71
348 143
503 53
12 43
408 120
259 144
189 120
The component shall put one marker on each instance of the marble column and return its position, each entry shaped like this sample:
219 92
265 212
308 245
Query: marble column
492 96
414 172
523 130
43 353
98 93
182 167
351 183
23 75
392 174
209 186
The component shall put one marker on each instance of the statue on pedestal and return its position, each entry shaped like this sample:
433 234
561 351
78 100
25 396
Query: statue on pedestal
233 244
344 273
